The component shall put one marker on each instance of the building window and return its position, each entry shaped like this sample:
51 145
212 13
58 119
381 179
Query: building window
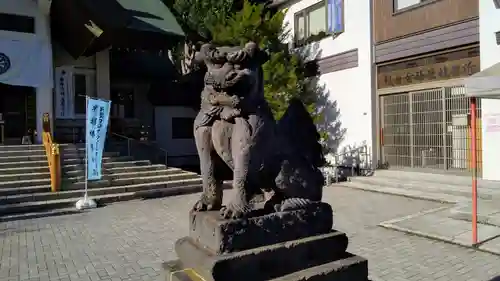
406 4
182 128
83 85
17 23
318 21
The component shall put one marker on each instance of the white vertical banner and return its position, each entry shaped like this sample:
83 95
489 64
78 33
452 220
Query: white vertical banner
64 93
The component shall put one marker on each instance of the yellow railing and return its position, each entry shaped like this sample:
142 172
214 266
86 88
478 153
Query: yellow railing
52 152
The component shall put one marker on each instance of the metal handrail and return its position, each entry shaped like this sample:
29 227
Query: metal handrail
363 149
351 151
53 154
130 140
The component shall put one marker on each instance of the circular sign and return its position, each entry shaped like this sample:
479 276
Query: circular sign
4 63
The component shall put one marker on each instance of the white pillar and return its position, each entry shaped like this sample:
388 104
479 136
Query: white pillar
102 75
44 93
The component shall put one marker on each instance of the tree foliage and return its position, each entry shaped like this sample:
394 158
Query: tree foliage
287 74
284 72
202 15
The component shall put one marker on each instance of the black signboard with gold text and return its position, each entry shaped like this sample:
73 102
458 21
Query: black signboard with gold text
448 66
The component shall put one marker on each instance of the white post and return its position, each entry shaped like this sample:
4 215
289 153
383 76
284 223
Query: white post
86 151
85 202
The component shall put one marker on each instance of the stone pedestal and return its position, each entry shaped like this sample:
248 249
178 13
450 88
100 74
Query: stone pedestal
284 246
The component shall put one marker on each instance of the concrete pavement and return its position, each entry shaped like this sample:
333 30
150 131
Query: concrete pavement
451 223
130 240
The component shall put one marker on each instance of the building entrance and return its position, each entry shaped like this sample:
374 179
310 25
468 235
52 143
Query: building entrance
428 129
18 113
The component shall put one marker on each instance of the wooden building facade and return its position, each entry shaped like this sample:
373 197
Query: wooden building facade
423 49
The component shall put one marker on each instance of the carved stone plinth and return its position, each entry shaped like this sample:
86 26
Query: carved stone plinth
283 246
226 236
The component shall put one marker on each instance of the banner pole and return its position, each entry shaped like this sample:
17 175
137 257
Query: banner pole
473 128
86 150
85 202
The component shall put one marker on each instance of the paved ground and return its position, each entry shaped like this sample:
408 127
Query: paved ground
441 224
129 241
451 223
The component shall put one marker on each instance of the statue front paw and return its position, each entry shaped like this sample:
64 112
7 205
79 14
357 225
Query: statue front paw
236 209
207 204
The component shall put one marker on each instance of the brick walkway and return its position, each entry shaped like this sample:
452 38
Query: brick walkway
129 241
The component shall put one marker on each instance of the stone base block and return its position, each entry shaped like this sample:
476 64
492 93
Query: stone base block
227 236
263 263
350 268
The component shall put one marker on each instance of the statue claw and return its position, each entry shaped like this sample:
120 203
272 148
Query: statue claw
205 204
235 211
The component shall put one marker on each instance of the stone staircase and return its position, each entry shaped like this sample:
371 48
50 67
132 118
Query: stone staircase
436 187
25 179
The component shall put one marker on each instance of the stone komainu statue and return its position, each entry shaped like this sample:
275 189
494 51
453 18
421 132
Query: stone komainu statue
236 125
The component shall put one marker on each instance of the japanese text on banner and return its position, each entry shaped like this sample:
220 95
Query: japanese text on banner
97 124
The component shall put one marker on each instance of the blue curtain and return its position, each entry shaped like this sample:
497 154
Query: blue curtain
335 16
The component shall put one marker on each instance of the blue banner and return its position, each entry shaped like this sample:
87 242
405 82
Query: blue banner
97 127
335 16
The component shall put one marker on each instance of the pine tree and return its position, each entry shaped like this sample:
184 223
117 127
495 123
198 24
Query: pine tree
283 73
287 74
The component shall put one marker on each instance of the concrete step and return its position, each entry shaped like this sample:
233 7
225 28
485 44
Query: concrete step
4 192
25 164
92 192
487 212
125 175
27 152
72 145
431 187
24 210
81 155
23 176
42 185
24 183
24 170
72 185
104 160
21 147
410 193
22 158
42 163
40 214
29 187
461 180
117 170
81 166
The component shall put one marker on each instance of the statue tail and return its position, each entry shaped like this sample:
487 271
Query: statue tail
298 128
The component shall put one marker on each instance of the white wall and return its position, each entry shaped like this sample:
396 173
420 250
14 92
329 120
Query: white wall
490 55
42 36
163 126
353 89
